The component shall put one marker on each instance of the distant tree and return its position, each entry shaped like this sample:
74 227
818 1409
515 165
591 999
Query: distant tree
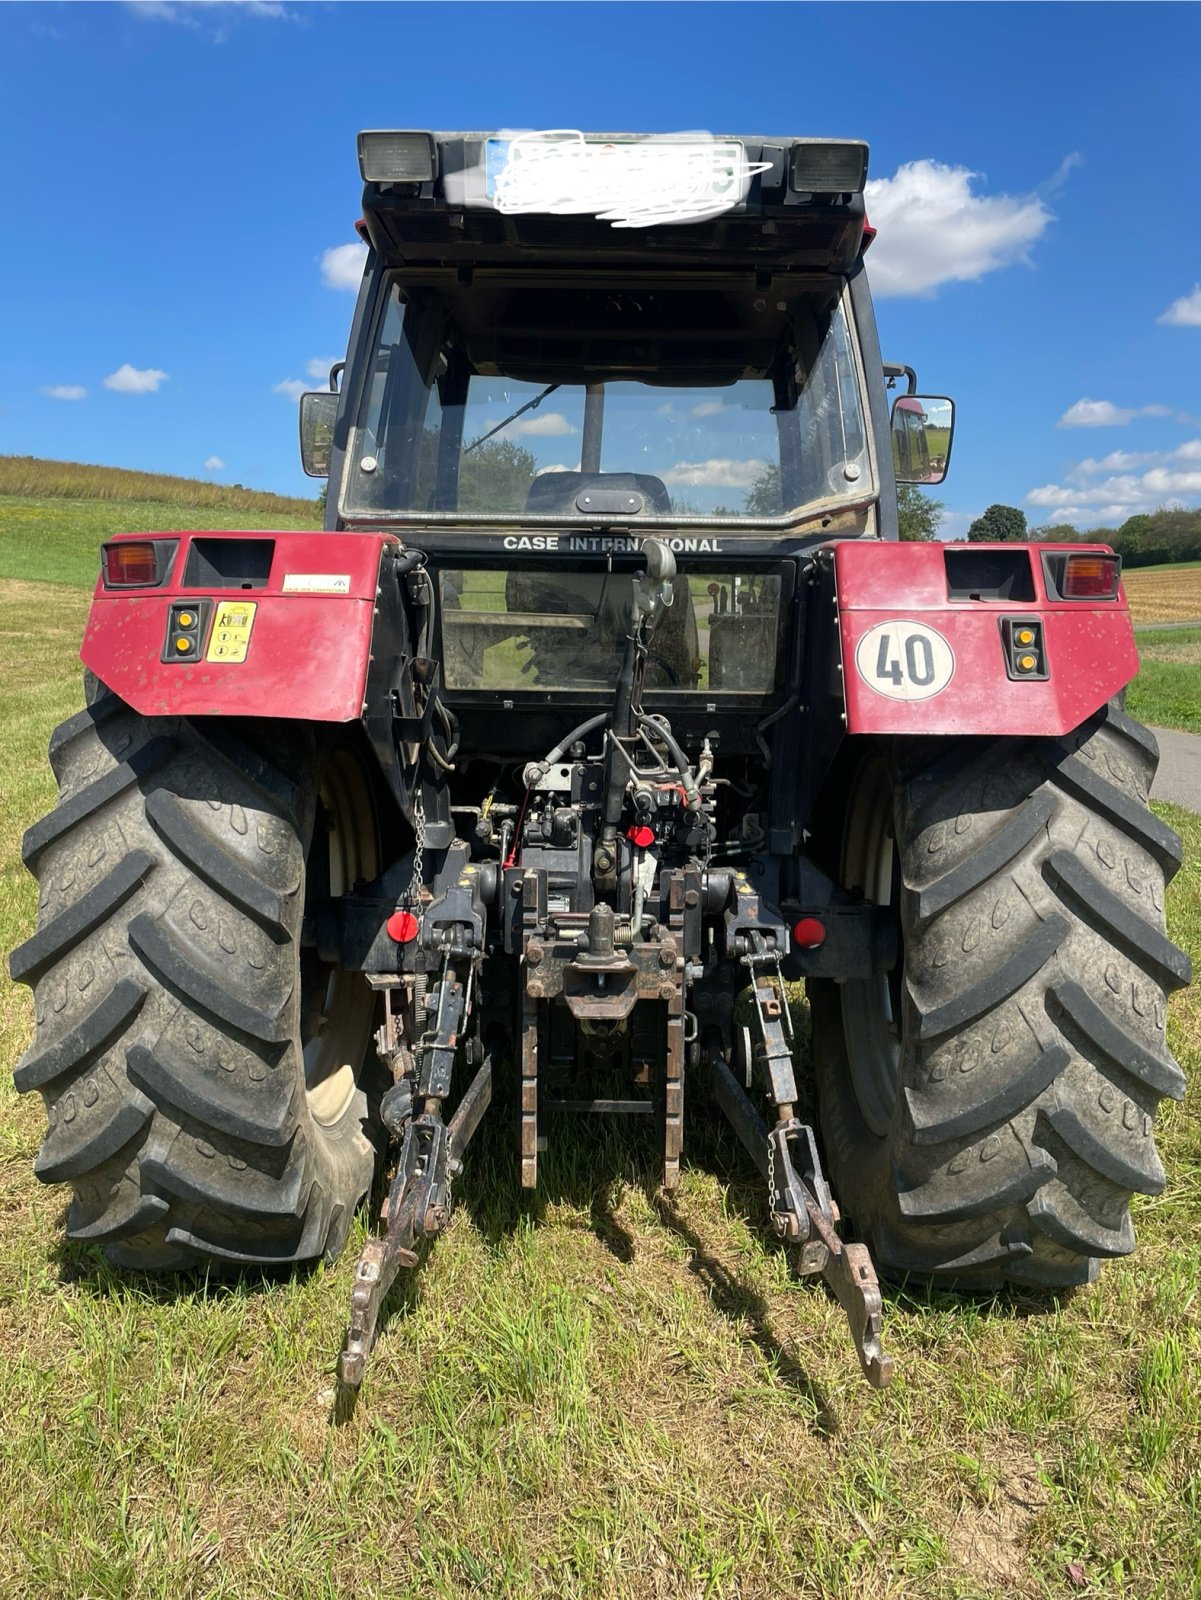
1055 533
495 476
919 515
322 497
999 522
763 498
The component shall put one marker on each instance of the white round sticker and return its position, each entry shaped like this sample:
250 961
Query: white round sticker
904 660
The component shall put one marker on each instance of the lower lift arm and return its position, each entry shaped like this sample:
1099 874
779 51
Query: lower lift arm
418 1203
799 1203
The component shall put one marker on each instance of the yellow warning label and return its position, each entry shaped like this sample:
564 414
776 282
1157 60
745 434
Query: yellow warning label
230 638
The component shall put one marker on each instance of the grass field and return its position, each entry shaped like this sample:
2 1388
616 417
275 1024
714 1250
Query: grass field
594 1393
1167 691
1164 594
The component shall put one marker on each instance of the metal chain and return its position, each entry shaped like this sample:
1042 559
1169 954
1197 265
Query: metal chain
417 881
771 1177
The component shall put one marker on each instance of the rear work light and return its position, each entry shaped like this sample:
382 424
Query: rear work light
828 166
135 563
396 157
1089 575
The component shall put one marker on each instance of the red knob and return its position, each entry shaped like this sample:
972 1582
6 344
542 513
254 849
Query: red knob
642 836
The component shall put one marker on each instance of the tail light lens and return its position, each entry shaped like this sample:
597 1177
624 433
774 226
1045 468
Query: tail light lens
133 564
1089 575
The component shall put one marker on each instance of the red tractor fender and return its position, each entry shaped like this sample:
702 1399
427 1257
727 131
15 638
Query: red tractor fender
931 636
279 625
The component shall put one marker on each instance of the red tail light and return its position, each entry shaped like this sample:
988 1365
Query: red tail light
1090 577
809 932
130 564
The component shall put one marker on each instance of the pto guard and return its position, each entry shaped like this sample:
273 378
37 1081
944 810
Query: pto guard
915 660
304 654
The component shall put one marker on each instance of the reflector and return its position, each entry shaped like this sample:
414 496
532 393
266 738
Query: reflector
396 157
827 166
809 932
130 564
402 926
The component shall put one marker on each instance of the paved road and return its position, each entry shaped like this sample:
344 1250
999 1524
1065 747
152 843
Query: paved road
1179 775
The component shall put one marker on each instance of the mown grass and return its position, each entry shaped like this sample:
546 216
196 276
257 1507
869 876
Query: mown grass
76 480
596 1392
1167 691
57 540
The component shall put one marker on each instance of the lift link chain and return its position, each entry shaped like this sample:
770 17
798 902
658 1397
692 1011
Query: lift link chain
417 880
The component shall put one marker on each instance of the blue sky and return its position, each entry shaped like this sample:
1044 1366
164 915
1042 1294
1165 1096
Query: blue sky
180 188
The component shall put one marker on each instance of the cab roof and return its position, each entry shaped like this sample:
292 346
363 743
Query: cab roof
450 200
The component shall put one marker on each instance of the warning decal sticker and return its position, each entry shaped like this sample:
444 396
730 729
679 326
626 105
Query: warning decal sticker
905 660
230 636
316 582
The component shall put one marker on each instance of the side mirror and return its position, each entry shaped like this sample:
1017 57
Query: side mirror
922 427
318 413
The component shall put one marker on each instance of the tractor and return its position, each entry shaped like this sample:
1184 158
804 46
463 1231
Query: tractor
607 707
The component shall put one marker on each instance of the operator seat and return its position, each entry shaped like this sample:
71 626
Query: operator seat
596 657
560 491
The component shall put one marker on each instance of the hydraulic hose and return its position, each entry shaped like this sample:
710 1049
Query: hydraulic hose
687 776
537 770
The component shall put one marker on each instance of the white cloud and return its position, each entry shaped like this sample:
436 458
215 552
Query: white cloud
558 467
1115 461
64 391
708 408
292 387
933 229
342 266
319 367
954 524
1104 414
135 380
1185 312
214 464
545 425
721 473
1122 495
185 13
665 410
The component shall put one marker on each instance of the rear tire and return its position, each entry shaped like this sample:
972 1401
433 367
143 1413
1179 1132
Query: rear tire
177 1016
987 1110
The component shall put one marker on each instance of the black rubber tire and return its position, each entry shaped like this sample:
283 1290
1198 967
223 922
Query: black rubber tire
166 970
1031 1054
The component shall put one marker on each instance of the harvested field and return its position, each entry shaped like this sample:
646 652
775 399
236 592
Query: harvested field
1164 594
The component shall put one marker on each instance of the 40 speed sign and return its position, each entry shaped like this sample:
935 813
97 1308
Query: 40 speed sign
904 660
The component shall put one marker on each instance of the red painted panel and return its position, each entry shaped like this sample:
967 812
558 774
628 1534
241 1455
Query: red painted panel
308 653
1089 649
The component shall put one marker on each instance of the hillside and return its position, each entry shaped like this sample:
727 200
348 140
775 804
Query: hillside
33 477
54 515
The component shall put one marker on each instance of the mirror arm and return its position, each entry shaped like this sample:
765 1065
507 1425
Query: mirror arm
894 370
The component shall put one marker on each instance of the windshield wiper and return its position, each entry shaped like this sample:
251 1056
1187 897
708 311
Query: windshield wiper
530 405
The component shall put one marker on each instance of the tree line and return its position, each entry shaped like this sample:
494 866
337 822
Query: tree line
1173 533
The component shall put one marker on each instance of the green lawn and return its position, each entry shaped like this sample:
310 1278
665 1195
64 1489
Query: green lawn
593 1393
1167 691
